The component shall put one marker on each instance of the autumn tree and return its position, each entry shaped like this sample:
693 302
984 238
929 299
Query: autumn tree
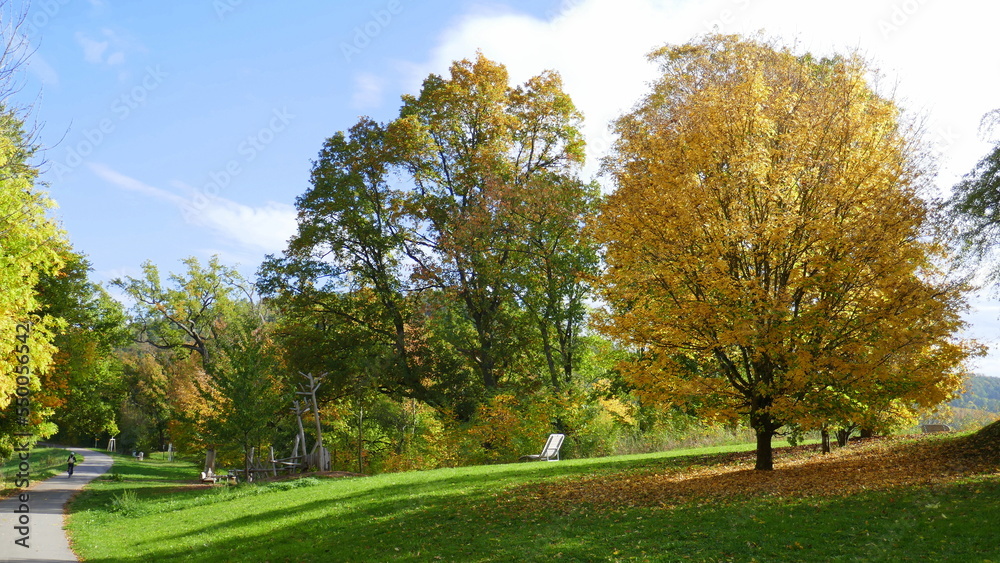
30 243
184 315
148 405
181 317
447 246
766 247
246 386
84 385
477 150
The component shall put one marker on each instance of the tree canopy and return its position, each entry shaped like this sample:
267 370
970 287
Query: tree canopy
765 245
974 203
30 244
446 247
766 260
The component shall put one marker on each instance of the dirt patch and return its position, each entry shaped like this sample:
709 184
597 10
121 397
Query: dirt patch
799 472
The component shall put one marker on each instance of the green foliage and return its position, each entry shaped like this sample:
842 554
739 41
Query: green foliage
185 314
209 310
246 387
974 202
147 408
444 251
126 503
85 383
30 245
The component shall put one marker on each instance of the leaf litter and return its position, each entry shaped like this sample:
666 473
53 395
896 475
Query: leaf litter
875 464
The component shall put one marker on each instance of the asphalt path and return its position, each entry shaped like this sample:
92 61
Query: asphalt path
42 514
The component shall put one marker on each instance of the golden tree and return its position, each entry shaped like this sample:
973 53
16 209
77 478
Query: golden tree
766 246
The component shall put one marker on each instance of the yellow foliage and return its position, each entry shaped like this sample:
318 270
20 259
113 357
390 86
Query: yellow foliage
767 249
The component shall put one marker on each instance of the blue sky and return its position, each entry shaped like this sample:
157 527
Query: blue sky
187 128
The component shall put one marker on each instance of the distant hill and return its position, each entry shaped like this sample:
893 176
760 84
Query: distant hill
983 394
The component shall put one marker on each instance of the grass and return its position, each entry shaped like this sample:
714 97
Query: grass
45 463
520 512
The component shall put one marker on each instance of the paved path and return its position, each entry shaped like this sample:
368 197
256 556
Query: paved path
46 538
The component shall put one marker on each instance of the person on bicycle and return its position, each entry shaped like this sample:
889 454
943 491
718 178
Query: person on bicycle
71 462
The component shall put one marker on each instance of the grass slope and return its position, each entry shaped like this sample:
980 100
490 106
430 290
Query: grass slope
695 505
45 462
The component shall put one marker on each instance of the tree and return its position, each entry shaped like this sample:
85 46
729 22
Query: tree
448 245
84 384
182 320
552 281
766 247
186 315
974 203
245 386
342 273
30 243
478 149
150 402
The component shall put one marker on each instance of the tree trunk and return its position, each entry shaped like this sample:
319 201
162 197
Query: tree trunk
765 455
549 359
765 427
361 437
825 434
842 437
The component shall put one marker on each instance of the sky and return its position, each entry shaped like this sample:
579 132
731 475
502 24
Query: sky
188 128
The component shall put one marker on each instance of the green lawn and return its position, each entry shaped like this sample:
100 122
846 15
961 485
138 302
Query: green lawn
149 512
45 462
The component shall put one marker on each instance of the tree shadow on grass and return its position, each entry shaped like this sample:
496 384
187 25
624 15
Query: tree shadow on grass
953 521
490 514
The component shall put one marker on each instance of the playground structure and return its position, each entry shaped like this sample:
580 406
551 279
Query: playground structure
316 458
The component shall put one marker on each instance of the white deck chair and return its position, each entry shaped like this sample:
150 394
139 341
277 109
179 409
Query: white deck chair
551 450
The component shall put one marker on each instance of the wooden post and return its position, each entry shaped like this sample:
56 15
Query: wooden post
318 456
298 418
295 454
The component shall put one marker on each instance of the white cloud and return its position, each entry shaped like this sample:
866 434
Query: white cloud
93 51
131 184
264 229
116 58
368 90
940 54
41 68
